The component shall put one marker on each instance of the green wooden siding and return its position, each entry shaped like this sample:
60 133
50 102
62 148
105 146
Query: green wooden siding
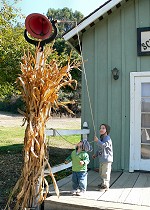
112 43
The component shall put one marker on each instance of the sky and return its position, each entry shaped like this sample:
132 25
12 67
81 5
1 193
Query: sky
41 6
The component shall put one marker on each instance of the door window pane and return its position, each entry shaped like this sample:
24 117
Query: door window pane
145 135
145 120
145 89
145 151
145 106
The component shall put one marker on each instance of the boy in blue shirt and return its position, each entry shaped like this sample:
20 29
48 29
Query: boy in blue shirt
105 155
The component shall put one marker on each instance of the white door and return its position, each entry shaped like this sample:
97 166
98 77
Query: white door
140 122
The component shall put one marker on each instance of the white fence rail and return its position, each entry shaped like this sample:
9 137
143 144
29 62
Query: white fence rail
53 132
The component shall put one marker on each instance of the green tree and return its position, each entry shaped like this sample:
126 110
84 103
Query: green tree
67 18
11 50
12 43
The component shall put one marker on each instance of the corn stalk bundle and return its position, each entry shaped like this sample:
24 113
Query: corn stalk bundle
40 83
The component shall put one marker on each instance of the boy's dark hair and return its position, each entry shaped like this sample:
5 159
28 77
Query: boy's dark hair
107 127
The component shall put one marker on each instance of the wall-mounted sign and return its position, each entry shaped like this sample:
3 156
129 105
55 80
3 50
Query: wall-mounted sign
143 41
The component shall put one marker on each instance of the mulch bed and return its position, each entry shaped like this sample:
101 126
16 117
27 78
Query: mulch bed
11 166
10 170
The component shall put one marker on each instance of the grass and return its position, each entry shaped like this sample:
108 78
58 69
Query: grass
11 140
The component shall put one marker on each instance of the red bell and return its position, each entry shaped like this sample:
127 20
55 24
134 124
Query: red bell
38 26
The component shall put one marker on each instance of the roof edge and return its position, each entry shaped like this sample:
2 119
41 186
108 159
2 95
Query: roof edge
91 18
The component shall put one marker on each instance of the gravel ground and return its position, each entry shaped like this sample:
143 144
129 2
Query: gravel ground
7 120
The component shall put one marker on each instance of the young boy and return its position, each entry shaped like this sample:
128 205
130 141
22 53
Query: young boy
80 160
105 155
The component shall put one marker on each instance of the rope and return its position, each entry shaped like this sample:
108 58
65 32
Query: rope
55 131
87 88
86 82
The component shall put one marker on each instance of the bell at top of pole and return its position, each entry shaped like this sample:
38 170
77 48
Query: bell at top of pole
38 26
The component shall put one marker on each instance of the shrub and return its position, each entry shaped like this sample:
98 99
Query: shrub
10 100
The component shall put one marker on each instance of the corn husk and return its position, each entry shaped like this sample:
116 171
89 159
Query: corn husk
40 83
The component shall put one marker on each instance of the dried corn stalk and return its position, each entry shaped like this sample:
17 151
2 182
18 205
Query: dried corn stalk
40 84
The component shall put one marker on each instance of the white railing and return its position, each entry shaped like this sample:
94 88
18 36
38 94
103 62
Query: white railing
53 132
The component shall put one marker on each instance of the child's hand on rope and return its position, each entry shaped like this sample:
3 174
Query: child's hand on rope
81 162
95 139
93 156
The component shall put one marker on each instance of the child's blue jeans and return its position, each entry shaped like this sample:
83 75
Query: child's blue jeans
79 180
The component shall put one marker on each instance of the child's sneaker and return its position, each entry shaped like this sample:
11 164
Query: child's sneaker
80 193
103 188
99 185
73 192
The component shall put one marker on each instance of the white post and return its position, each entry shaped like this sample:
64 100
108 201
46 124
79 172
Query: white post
40 55
38 58
85 126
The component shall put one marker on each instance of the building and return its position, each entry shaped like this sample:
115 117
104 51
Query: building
116 36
